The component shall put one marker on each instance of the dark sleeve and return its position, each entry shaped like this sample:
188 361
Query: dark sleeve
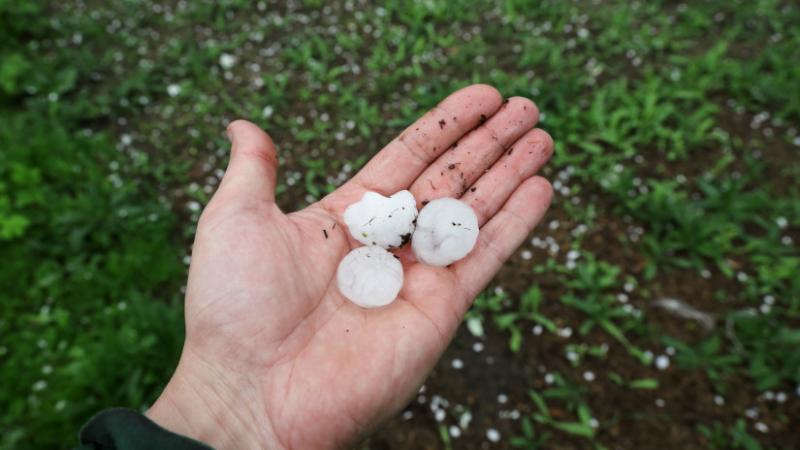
126 429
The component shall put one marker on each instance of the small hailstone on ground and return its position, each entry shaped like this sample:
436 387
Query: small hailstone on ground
762 427
227 60
475 326
477 347
454 431
173 90
370 277
588 375
447 230
502 398
457 364
662 362
464 420
440 415
387 222
719 400
493 435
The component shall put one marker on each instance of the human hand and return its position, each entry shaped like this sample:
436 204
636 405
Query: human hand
275 356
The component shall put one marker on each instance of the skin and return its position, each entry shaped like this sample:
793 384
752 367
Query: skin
275 357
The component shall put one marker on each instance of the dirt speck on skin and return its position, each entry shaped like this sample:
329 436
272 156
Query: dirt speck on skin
483 119
510 151
473 189
451 167
325 233
442 123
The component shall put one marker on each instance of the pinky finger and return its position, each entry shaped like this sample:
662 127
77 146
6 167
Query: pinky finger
502 235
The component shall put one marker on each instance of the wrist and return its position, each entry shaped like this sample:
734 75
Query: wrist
205 403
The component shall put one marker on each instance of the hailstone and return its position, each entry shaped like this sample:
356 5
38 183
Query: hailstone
447 230
370 276
387 222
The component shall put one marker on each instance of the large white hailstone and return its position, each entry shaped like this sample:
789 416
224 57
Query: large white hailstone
447 230
387 222
370 276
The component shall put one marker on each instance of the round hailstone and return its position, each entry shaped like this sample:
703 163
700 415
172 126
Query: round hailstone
447 230
387 222
370 277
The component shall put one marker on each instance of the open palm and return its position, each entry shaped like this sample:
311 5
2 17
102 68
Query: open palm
275 356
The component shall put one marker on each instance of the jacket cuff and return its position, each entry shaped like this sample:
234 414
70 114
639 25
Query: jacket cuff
126 429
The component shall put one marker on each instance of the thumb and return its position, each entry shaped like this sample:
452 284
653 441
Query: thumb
253 163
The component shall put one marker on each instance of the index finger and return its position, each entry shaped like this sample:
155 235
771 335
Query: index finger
399 163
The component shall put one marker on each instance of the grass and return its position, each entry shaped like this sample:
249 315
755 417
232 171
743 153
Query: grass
675 166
